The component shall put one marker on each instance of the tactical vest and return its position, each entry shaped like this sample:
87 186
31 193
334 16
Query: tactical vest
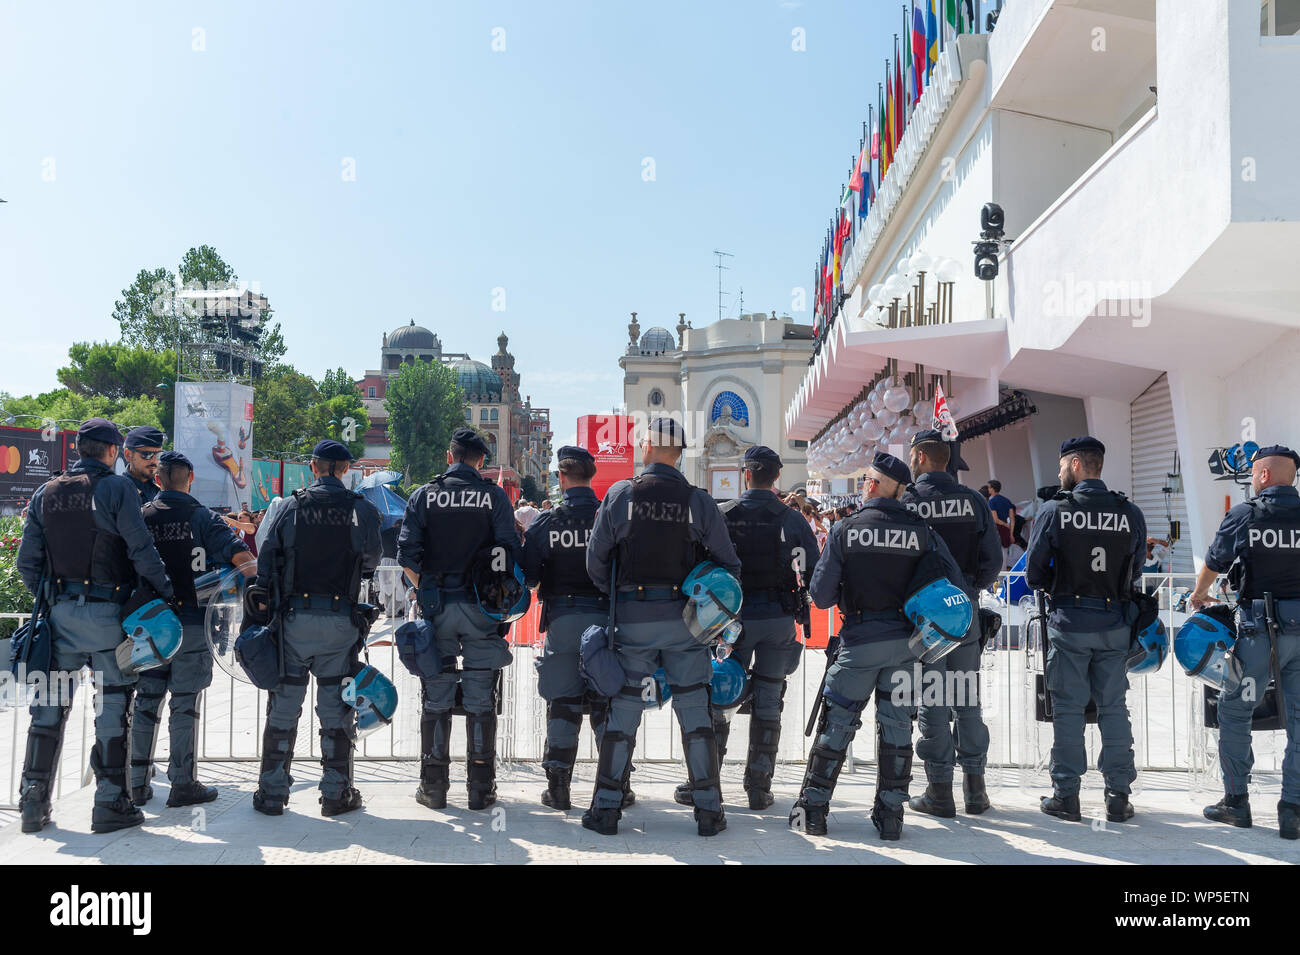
322 562
1094 550
564 572
79 551
759 536
457 524
173 536
658 550
1272 560
952 513
881 551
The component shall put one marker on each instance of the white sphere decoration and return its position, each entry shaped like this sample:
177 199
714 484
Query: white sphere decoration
871 432
877 402
923 412
897 399
896 287
922 262
948 270
875 294
887 418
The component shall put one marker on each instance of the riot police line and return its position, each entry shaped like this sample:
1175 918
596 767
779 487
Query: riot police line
615 600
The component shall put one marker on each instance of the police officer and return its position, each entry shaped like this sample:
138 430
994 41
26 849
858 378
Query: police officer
191 540
657 526
455 521
84 535
962 518
323 544
771 540
1261 537
1086 551
141 450
555 561
867 569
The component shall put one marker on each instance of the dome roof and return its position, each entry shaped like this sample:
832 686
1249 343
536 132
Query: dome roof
413 336
476 378
657 339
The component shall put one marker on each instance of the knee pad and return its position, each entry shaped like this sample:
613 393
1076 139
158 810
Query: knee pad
567 709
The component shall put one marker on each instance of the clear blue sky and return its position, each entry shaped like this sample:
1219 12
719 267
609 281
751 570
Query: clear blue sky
475 169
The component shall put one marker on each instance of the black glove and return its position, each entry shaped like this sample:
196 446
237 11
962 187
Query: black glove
257 606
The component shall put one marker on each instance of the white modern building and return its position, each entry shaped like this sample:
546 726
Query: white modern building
1145 154
729 384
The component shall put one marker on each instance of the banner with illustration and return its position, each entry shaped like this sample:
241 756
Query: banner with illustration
214 429
266 483
28 458
295 476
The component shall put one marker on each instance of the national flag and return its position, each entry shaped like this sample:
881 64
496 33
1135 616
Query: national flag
839 247
952 16
890 102
881 137
898 95
919 56
943 422
855 180
931 40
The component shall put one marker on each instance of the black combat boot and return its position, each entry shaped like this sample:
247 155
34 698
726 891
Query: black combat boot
808 818
1118 808
190 794
141 795
1233 809
109 762
1062 807
721 731
972 790
1288 820
601 821
558 777
39 766
935 801
435 761
277 753
480 759
336 753
764 741
709 823
893 773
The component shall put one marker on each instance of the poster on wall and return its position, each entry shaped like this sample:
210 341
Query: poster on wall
296 476
214 429
610 439
266 483
724 483
28 458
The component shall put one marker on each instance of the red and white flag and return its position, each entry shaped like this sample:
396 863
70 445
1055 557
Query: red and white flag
943 422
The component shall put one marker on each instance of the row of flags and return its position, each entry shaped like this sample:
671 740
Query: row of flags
928 25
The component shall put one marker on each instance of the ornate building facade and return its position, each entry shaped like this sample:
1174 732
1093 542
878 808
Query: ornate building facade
729 384
518 433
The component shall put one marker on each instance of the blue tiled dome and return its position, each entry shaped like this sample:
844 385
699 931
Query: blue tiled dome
656 339
476 378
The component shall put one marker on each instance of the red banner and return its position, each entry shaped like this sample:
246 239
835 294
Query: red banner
610 439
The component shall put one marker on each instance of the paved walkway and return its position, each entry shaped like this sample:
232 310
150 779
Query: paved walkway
393 828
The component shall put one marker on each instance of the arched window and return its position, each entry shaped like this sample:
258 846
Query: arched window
656 398
494 414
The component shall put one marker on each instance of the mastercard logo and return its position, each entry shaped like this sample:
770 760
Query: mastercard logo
10 459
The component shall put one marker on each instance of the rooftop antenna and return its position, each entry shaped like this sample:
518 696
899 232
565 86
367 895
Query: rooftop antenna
742 302
721 268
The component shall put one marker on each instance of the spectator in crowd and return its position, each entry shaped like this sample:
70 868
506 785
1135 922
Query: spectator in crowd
1157 561
1003 515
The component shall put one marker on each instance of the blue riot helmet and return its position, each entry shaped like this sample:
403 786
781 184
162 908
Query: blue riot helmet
942 613
501 595
713 599
1147 652
663 692
1203 648
374 698
730 683
153 633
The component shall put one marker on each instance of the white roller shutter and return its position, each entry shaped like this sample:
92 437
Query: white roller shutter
1155 457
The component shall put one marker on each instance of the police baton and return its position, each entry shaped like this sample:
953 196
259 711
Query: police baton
1275 671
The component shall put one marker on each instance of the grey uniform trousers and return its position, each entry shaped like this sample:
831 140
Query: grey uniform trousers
323 644
958 676
1236 757
1083 665
187 675
87 635
653 634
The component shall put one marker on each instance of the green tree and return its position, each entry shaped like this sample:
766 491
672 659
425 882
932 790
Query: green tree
204 268
120 372
337 382
529 490
146 313
342 418
282 411
425 405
